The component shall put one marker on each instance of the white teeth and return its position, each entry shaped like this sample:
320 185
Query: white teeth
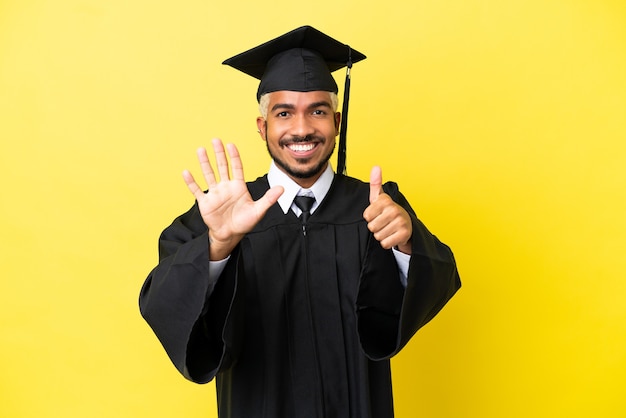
301 147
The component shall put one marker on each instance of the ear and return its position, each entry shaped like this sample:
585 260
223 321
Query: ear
337 122
261 126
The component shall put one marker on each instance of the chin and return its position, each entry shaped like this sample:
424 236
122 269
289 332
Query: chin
298 170
302 173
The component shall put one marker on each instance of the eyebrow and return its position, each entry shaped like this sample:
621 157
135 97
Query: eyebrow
290 106
282 106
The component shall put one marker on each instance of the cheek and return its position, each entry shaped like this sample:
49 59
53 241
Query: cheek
332 131
272 138
274 130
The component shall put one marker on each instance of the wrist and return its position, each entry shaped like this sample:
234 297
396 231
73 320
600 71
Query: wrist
219 250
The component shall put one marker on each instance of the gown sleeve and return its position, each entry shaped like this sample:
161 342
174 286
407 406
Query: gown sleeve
178 296
388 314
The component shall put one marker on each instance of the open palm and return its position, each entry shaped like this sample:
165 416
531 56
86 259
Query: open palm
227 208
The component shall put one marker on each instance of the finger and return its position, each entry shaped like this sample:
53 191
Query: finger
380 230
205 166
269 198
391 228
395 239
192 185
389 241
375 208
235 162
376 183
222 161
388 235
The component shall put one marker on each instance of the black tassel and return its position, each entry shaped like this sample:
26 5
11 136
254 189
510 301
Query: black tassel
341 157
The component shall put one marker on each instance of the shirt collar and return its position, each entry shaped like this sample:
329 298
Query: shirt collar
276 177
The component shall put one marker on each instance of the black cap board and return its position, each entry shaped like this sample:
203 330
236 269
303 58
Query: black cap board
301 60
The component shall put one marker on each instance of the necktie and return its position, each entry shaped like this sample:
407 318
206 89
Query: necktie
305 203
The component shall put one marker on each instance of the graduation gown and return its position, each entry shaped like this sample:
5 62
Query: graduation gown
304 319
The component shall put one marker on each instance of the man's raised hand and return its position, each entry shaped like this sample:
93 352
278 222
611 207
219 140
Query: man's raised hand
388 221
227 208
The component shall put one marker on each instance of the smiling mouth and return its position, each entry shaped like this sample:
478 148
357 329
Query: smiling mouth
299 147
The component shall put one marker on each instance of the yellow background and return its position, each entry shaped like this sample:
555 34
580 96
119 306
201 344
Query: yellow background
503 122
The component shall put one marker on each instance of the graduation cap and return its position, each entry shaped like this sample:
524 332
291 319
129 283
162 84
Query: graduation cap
301 60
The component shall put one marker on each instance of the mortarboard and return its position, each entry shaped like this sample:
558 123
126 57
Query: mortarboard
301 60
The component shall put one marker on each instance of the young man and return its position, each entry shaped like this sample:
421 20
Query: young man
294 290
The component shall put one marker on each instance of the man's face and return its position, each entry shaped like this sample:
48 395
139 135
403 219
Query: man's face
300 132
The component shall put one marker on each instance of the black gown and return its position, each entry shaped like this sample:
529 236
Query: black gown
299 325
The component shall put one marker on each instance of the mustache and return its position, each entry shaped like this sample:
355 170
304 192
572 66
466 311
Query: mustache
299 139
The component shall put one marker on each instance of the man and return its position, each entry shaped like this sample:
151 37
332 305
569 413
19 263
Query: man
294 290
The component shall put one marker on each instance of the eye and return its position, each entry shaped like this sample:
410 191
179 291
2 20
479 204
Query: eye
282 114
319 112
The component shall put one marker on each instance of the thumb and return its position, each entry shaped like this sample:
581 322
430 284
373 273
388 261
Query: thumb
269 198
376 183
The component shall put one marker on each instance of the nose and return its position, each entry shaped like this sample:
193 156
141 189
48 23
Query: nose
301 127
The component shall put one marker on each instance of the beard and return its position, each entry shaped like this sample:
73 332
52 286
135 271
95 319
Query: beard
301 173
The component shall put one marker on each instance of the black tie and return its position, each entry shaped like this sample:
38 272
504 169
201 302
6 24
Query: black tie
305 203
